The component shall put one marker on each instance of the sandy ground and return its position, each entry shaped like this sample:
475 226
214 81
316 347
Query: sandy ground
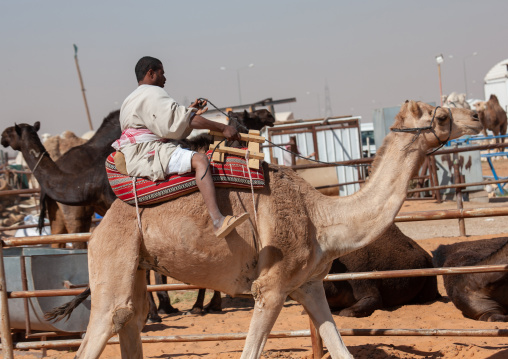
441 314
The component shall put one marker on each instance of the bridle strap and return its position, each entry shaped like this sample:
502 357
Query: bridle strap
418 131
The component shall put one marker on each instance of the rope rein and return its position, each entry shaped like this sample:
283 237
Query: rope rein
279 146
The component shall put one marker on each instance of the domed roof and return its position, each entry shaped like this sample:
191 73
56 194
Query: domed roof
499 71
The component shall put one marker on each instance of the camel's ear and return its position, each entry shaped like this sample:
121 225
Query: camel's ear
37 126
17 129
413 107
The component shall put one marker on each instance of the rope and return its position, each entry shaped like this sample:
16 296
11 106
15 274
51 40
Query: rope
37 164
137 206
276 145
251 185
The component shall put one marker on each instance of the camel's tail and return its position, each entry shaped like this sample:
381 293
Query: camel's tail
42 215
65 310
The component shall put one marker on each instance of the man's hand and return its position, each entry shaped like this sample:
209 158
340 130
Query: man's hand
231 133
200 105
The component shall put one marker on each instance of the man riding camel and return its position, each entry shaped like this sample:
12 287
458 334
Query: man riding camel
152 123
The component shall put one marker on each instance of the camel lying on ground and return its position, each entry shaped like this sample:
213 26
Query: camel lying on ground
479 296
455 100
493 117
392 251
286 250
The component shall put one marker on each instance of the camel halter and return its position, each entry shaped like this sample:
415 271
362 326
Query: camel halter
419 130
40 158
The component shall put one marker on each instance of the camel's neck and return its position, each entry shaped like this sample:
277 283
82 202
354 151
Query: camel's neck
354 221
52 180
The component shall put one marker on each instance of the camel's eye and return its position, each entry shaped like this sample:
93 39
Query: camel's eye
441 119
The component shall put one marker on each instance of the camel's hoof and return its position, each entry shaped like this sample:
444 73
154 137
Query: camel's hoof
212 310
151 320
166 310
195 311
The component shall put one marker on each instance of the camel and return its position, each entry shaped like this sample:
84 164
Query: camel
392 251
82 181
285 249
455 100
493 117
65 218
479 296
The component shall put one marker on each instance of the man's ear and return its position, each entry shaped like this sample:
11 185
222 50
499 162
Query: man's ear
37 126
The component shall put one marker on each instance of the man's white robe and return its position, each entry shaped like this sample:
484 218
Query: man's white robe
152 108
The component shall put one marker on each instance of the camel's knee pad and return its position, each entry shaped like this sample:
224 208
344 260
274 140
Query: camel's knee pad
120 317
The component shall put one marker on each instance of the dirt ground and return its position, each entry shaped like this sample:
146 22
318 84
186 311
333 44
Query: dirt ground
441 314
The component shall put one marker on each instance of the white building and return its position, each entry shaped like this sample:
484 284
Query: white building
496 82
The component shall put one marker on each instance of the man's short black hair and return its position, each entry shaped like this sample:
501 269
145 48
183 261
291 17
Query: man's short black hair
144 64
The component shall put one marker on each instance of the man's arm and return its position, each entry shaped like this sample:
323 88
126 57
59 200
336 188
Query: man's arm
199 122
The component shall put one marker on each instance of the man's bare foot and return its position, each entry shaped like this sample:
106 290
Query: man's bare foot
230 223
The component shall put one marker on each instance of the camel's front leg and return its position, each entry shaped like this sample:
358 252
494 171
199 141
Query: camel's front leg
312 296
113 257
268 305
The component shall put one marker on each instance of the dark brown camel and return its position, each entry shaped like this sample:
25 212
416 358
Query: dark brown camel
65 218
78 179
479 296
493 117
392 251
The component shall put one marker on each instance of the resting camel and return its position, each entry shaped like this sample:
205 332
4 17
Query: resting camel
455 100
284 250
493 117
392 251
479 296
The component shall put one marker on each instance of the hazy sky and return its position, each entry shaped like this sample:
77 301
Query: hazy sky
370 54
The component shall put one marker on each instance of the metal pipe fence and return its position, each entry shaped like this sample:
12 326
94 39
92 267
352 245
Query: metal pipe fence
8 345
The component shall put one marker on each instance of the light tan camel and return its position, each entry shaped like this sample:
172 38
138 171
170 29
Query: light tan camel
286 251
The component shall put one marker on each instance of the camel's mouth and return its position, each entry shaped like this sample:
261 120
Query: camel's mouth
472 129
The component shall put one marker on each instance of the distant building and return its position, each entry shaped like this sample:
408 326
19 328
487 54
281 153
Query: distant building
496 83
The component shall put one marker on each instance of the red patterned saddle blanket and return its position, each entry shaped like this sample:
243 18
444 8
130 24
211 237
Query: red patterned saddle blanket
232 173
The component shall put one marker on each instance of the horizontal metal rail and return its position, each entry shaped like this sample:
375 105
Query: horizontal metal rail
451 214
401 217
54 344
25 226
76 291
10 192
425 272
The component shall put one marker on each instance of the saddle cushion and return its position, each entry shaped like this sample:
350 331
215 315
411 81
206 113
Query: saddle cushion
232 173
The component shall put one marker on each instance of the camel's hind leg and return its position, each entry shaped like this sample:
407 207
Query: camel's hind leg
130 339
268 305
312 296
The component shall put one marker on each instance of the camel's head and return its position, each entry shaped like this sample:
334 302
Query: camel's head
255 120
435 124
480 106
13 136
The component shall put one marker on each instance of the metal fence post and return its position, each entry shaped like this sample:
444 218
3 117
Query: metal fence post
7 348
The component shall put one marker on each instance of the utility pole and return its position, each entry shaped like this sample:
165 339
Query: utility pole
82 87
